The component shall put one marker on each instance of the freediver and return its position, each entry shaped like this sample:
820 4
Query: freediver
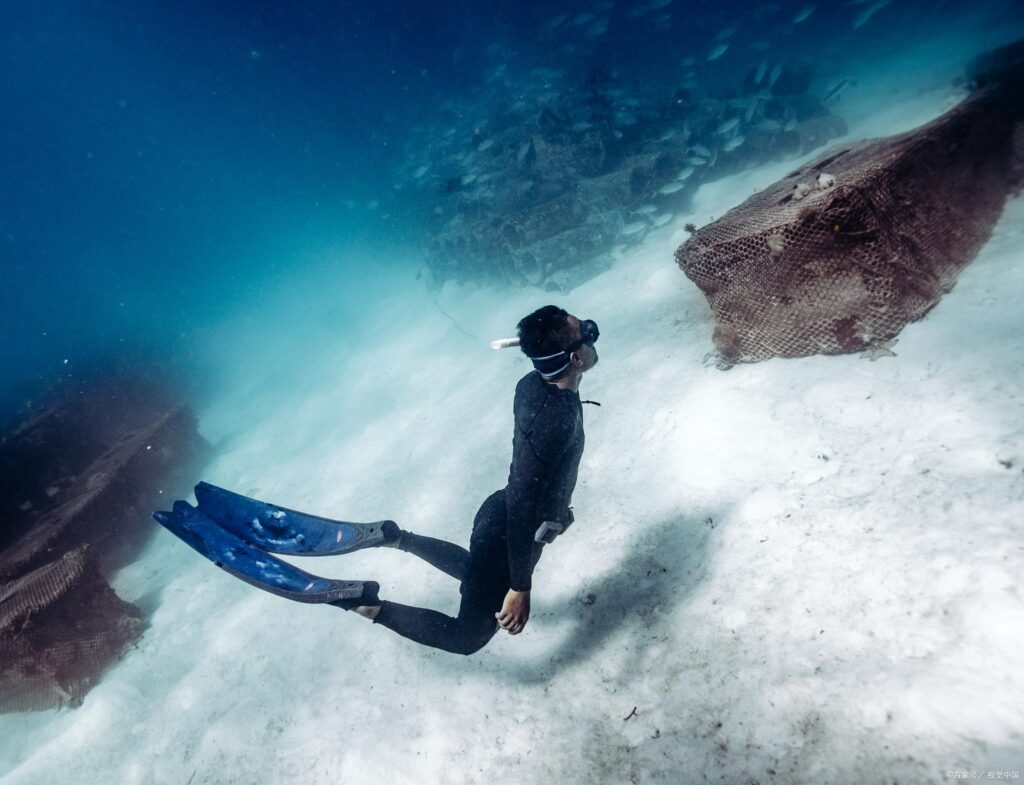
513 524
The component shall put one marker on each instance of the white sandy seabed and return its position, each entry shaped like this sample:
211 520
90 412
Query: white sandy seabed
800 571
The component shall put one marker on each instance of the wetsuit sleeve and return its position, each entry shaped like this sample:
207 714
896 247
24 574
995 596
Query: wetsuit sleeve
545 446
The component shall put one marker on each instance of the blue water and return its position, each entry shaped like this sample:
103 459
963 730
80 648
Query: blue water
164 166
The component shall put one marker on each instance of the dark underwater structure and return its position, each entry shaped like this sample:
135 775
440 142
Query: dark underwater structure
78 476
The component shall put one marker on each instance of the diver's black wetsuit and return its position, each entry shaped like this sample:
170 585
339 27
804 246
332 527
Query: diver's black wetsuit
546 449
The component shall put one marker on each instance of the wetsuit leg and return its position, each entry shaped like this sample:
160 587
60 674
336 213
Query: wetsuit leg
483 590
447 557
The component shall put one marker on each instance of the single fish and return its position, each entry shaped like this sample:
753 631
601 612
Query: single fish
728 126
725 32
760 72
555 22
688 62
751 109
836 88
484 145
862 18
420 171
733 143
774 75
790 124
685 173
633 228
717 52
671 188
646 209
582 19
663 219
695 160
700 149
803 13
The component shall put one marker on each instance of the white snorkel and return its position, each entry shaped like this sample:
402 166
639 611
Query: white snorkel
504 343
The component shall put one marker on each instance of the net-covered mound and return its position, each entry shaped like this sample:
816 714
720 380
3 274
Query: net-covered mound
844 252
61 625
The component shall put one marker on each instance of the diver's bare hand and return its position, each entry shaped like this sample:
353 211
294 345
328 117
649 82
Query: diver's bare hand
514 611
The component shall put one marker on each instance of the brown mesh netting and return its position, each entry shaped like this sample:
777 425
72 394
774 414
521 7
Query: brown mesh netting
841 254
61 625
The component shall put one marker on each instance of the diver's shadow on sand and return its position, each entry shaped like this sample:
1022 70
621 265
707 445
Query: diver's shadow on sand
664 564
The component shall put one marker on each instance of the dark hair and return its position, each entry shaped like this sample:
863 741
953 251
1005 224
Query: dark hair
545 331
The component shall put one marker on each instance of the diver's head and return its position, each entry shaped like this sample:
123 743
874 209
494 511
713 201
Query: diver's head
560 346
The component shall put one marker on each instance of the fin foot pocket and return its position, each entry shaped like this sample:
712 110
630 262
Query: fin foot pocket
369 596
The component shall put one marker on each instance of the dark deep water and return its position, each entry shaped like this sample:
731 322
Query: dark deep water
164 166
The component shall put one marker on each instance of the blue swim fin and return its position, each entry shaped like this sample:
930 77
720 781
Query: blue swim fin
255 567
280 530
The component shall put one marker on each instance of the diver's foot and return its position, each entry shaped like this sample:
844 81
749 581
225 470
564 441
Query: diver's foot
367 598
369 611
392 535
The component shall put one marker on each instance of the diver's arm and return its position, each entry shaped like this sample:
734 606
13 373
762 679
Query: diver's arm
521 497
539 457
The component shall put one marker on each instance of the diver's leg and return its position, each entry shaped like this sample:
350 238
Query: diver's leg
467 633
462 635
446 556
483 590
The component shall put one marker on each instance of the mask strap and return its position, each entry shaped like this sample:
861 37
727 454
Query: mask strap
553 373
546 365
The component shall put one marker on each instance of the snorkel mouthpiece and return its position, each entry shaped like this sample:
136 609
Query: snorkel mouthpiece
504 343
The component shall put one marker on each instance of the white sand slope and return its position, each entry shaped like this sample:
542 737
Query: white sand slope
800 571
